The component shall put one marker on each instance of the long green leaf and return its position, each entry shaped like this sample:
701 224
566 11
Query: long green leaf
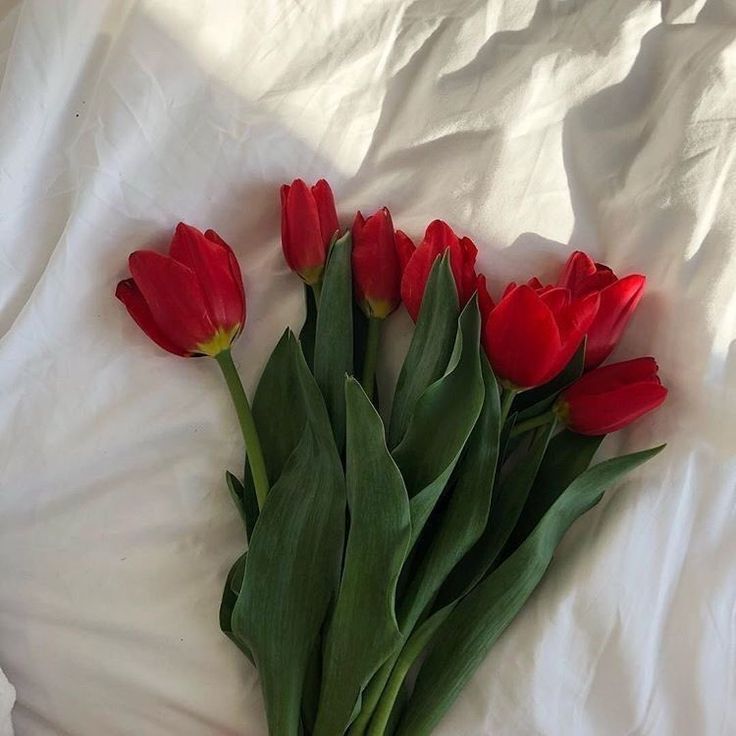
567 456
333 345
278 406
294 558
430 348
245 500
443 418
278 413
467 511
363 631
442 421
233 583
480 618
512 489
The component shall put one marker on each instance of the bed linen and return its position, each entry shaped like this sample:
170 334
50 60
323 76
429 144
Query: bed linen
533 127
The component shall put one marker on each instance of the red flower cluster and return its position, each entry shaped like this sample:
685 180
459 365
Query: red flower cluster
191 302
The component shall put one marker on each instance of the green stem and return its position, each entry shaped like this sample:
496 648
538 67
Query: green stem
247 425
371 696
533 423
371 356
317 289
507 398
412 649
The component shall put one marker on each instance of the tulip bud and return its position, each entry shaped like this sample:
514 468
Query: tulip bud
610 397
377 264
618 300
308 224
438 238
530 337
190 302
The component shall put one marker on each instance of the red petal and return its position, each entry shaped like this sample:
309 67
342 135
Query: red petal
174 297
130 295
618 302
599 280
578 266
301 236
535 283
376 267
437 238
613 376
404 248
555 298
573 322
522 339
613 410
216 268
485 300
325 200
358 222
575 319
466 280
509 289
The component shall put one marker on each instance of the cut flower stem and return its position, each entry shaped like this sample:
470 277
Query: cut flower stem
533 423
247 425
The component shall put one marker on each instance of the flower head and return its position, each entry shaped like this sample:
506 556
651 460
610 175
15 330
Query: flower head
190 302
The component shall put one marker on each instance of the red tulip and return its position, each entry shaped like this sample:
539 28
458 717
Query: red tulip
609 398
379 257
190 302
438 238
530 337
308 224
619 298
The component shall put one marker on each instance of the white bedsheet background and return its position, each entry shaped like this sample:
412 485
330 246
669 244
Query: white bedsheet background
527 125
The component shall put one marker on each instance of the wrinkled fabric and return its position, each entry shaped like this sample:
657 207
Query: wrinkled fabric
533 127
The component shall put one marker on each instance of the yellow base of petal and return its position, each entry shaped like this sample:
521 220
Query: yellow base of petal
221 340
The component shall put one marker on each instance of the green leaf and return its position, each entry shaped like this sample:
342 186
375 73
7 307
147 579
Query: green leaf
479 619
309 328
333 346
363 631
312 683
278 406
443 418
430 348
512 489
230 594
294 559
538 400
244 499
466 515
278 413
567 456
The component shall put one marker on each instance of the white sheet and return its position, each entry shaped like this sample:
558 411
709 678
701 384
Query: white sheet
606 125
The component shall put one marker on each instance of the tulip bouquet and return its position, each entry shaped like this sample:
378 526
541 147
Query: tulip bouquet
390 545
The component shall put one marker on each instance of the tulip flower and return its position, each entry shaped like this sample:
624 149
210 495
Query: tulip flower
379 258
308 224
438 238
192 303
611 397
530 337
618 300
